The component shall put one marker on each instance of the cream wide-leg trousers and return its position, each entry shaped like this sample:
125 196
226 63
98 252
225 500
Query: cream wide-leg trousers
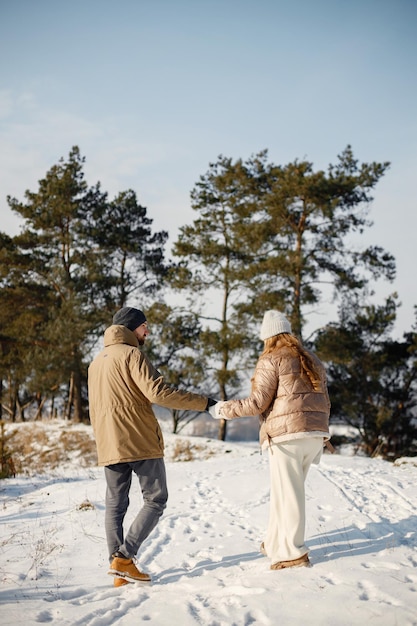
289 463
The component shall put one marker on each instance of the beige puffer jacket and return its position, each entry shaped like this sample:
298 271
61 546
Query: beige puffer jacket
122 385
283 398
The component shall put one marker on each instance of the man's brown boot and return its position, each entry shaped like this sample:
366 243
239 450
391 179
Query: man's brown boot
125 568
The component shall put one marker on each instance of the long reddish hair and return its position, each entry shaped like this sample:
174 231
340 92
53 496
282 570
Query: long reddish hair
308 366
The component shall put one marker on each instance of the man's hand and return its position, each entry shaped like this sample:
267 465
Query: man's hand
210 402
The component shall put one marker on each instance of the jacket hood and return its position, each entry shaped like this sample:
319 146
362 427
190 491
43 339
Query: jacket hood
119 334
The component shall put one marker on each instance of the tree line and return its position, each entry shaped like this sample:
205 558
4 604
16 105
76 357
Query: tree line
264 236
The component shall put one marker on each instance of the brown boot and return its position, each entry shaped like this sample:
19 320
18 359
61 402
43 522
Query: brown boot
125 568
303 561
119 582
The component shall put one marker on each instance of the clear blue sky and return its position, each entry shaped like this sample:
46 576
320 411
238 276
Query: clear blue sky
154 91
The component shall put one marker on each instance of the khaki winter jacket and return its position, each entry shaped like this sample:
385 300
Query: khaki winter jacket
122 385
283 398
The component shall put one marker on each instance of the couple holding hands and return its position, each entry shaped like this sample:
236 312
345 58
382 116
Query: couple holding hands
288 394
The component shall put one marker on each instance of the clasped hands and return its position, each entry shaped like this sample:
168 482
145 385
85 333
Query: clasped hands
215 409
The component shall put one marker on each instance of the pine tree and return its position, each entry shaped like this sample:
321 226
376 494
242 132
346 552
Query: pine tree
214 260
130 257
77 259
174 348
372 378
304 220
268 236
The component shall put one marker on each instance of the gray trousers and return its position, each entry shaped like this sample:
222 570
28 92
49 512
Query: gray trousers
152 479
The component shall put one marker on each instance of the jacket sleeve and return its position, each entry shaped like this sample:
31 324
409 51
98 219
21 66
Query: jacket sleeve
157 391
264 387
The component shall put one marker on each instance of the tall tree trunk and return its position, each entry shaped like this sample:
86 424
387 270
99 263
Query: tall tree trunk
52 409
221 435
296 313
77 396
41 402
67 415
12 399
222 430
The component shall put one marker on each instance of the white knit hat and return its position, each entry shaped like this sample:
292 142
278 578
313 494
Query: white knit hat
273 324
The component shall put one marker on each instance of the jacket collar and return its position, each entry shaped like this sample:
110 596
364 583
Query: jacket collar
119 334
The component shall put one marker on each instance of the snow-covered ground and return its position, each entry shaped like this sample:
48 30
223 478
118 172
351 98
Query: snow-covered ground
204 555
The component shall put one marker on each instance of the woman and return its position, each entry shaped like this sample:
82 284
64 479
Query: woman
289 393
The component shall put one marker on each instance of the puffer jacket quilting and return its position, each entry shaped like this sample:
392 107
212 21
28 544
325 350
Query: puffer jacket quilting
284 399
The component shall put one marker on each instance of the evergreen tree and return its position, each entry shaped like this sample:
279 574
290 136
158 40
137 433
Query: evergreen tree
51 257
174 348
23 313
130 257
81 257
303 223
214 260
372 378
266 237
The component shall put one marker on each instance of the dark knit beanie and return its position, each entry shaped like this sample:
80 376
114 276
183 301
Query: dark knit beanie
129 317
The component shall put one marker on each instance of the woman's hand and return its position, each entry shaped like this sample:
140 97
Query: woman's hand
215 411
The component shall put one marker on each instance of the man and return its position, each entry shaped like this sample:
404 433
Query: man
122 386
